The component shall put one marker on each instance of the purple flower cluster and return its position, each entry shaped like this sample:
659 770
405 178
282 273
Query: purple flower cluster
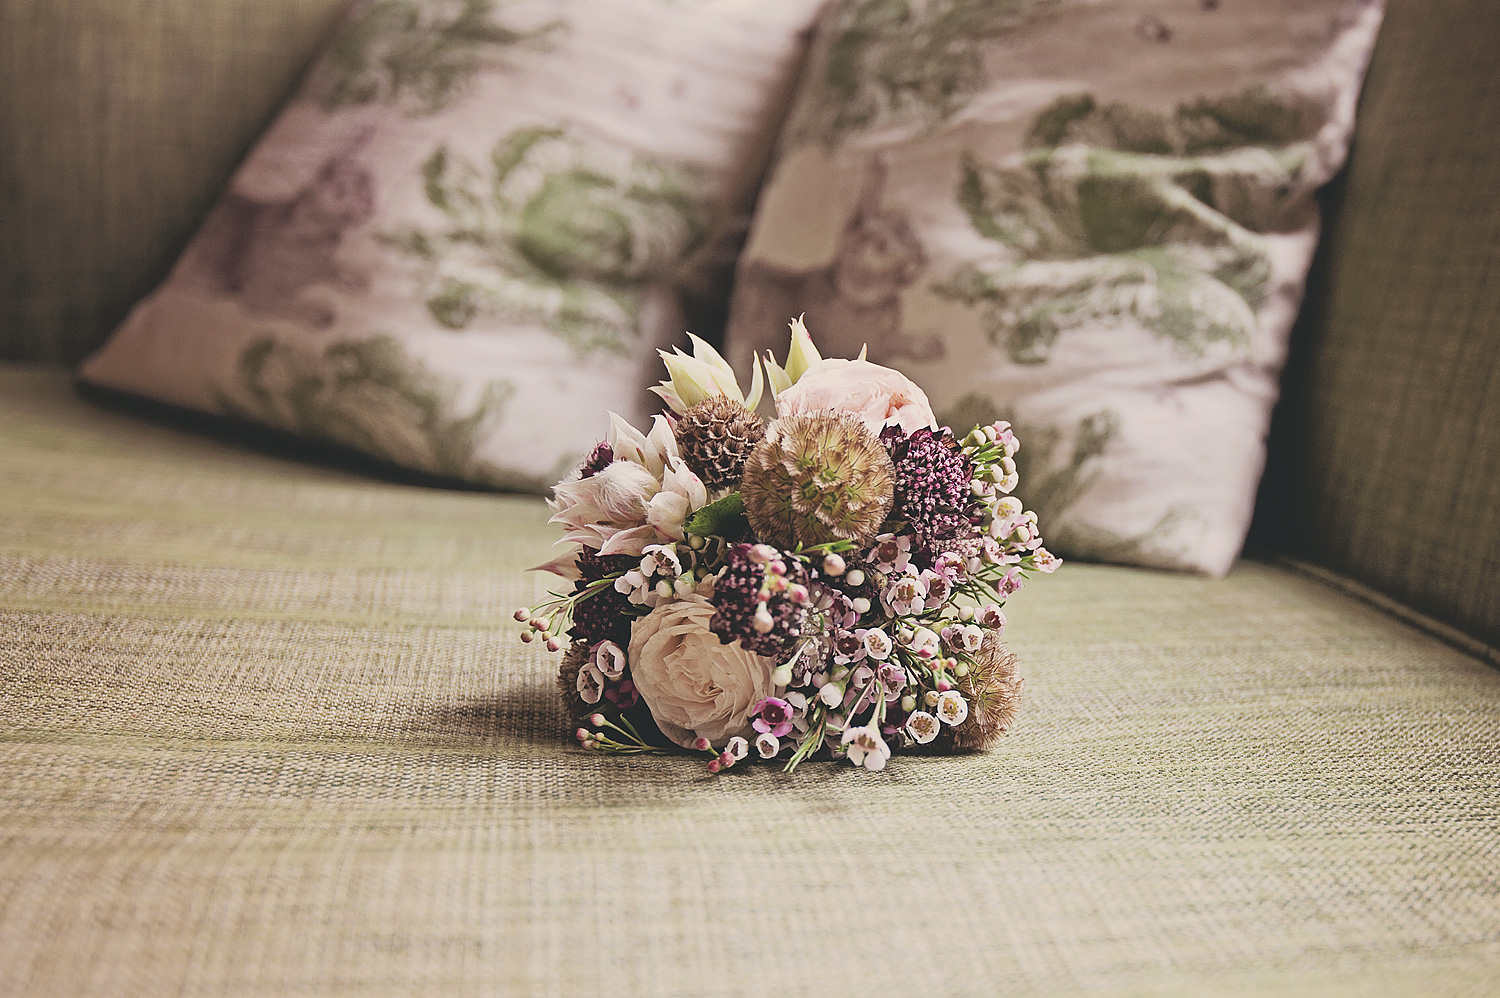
606 615
933 479
760 600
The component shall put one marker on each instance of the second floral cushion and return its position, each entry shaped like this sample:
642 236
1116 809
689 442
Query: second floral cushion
1089 217
472 210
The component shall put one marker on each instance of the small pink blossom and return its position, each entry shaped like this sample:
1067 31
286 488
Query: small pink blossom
906 595
609 659
878 644
950 565
937 586
866 748
990 615
590 683
924 643
964 638
773 716
891 553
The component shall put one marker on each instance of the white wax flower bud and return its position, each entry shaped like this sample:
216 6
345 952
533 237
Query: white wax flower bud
833 564
831 695
762 621
855 578
861 605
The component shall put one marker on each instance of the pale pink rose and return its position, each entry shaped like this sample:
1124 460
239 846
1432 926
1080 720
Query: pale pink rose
878 395
695 685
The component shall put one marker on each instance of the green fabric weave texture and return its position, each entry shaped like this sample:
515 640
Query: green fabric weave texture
119 123
1388 447
266 729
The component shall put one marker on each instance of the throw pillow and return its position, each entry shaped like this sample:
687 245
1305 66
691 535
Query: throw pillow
1091 217
461 240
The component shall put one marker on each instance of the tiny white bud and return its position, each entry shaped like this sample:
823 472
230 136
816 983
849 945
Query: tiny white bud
931 698
762 621
523 614
782 676
664 589
855 578
833 564
527 636
966 614
909 703
861 605
831 695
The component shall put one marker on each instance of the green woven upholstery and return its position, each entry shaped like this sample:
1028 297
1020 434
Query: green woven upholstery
119 122
1386 458
265 729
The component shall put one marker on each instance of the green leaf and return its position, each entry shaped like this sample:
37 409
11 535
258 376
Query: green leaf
722 518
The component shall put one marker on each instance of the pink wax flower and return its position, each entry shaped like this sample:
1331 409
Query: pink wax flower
774 717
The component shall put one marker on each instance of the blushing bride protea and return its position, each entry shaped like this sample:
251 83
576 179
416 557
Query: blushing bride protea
642 497
824 584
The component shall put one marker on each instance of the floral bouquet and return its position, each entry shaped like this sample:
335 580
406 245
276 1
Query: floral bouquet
827 584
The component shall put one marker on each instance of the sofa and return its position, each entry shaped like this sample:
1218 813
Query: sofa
266 727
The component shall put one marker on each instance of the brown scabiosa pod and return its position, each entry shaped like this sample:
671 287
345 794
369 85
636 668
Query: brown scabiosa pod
816 478
715 438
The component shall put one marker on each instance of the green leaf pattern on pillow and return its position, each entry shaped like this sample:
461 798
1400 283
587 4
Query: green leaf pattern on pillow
1120 213
371 395
553 230
903 61
422 53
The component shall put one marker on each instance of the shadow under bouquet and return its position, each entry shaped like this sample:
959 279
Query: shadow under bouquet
827 584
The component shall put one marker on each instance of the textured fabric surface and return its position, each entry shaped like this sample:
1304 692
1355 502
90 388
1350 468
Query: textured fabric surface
1093 218
463 241
1387 451
119 122
265 729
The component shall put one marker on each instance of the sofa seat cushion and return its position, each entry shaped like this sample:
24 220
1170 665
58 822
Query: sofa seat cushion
265 728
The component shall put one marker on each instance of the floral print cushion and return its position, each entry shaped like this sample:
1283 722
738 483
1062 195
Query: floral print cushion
472 210
1092 218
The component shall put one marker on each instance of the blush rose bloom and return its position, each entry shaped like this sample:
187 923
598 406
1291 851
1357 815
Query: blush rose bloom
695 685
878 395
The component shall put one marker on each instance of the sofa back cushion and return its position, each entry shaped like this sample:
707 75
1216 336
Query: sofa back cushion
1386 451
119 123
